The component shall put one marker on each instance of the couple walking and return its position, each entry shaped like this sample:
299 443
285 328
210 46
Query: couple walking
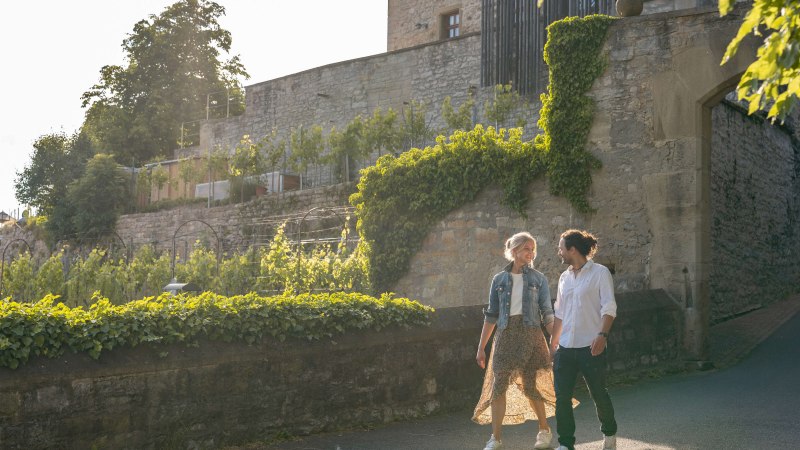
525 377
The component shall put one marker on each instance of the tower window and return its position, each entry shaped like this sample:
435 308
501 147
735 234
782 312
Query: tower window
451 25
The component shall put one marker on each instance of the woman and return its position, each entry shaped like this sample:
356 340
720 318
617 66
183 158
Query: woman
518 384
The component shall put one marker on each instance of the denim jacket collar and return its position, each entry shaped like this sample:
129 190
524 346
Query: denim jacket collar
509 266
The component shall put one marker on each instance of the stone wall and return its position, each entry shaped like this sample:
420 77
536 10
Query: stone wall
333 95
220 394
755 203
417 22
653 133
237 225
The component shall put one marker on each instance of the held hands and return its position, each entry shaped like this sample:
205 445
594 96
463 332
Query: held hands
480 358
553 346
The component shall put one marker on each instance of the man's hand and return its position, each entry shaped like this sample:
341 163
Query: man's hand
598 345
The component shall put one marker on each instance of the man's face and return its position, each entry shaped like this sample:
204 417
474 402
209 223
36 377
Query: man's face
563 253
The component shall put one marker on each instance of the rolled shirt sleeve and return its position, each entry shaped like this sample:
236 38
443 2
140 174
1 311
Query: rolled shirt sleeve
608 304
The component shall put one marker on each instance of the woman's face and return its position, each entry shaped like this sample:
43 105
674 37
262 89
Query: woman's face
525 253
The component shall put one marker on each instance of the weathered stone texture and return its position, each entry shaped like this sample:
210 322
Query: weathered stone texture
650 194
417 22
236 225
333 95
755 202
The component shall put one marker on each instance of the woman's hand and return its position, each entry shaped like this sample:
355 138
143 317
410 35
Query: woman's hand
553 347
480 358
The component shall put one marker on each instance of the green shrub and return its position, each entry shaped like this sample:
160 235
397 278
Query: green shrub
395 213
47 328
400 199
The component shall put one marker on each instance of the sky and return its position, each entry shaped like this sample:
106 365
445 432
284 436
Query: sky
52 52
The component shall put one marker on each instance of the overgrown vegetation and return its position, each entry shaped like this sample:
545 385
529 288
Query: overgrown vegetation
572 54
400 199
173 72
47 328
279 268
772 82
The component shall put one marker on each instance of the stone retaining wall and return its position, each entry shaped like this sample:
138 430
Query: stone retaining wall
221 394
237 225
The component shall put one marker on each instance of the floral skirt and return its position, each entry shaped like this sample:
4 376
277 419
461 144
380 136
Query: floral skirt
520 367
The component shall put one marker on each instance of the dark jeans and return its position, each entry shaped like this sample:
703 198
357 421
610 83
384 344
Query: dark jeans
567 363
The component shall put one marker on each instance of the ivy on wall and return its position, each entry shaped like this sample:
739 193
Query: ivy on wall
399 199
572 54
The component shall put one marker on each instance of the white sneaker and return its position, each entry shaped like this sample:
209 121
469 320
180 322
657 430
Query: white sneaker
561 447
543 439
493 444
609 443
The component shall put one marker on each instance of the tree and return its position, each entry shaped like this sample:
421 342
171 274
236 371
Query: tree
159 177
461 119
98 197
306 148
215 165
144 186
273 150
347 147
381 132
246 160
415 131
57 160
173 63
187 171
501 107
773 79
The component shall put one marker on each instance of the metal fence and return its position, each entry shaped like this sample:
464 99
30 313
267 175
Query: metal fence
513 34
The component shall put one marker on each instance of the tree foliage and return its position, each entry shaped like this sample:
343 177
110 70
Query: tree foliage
98 197
460 119
395 215
772 81
57 160
173 63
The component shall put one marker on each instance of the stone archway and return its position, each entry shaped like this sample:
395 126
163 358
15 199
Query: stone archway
685 84
651 130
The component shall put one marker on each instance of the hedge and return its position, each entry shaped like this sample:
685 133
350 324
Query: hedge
48 328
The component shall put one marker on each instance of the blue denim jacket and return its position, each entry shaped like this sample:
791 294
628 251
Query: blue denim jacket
536 305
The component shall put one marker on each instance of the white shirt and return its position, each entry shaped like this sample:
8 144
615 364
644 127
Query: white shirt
517 284
584 297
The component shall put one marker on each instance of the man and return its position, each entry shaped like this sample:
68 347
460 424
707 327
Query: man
584 311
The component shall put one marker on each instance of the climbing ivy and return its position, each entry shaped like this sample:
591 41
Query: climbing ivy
401 198
572 54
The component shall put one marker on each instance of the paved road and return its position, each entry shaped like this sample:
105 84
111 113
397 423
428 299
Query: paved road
751 405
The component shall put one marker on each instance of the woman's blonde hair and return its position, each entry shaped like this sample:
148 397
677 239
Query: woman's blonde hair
516 241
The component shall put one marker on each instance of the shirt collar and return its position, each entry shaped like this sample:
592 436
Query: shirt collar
587 266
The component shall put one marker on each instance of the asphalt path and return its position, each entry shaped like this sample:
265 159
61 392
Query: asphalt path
753 404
